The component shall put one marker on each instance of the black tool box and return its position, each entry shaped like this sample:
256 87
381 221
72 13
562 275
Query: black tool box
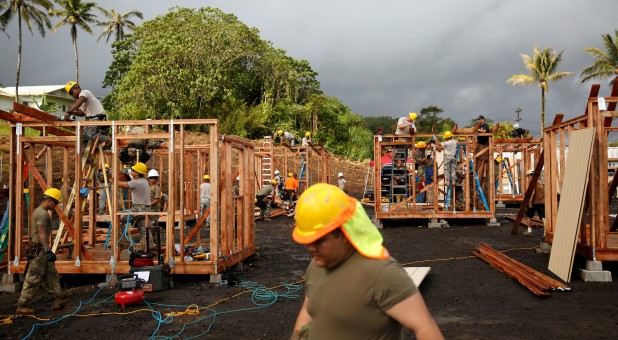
159 276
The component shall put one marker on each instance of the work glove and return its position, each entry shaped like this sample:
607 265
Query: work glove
51 257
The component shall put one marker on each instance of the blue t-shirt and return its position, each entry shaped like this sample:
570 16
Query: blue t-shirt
428 175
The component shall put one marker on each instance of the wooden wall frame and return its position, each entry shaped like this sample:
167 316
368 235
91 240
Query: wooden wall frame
597 239
181 165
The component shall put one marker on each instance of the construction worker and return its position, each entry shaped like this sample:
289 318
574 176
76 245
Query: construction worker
205 196
286 136
306 141
405 125
341 302
155 190
41 271
537 203
341 182
449 145
140 200
290 191
86 105
264 199
279 179
102 189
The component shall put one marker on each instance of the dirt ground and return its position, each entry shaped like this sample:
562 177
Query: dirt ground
468 298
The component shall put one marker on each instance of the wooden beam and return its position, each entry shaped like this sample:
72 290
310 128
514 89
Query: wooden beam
528 196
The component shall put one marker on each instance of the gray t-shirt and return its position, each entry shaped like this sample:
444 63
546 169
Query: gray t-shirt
92 106
266 190
450 148
204 191
407 130
140 191
305 142
341 183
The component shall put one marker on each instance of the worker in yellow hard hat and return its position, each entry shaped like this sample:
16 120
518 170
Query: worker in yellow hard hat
346 249
88 106
306 141
285 136
290 192
205 196
41 275
405 125
449 145
422 160
140 200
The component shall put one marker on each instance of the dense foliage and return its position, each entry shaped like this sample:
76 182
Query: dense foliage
203 63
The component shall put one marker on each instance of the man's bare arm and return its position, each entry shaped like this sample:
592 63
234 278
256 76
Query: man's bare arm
74 109
303 317
413 314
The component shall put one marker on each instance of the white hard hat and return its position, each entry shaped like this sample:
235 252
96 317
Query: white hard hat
340 174
277 172
153 173
238 178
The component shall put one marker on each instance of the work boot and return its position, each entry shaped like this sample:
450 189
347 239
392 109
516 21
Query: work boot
58 303
266 219
527 233
25 311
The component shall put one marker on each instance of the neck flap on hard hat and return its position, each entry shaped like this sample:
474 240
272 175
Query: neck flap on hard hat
364 235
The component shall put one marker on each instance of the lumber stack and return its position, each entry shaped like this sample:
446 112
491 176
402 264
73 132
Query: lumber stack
535 222
537 282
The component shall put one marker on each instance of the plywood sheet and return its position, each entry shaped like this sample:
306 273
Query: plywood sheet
417 274
571 205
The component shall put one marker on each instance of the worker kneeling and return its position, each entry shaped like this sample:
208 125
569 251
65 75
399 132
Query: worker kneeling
353 288
263 200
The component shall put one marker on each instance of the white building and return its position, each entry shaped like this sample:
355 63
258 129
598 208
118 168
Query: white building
31 95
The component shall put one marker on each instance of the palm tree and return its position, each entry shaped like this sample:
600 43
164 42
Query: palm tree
117 23
29 12
75 13
542 66
605 62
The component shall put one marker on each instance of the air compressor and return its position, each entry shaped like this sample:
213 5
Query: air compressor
130 291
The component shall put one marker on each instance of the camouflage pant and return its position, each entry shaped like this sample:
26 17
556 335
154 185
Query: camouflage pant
450 170
91 132
204 205
41 275
265 212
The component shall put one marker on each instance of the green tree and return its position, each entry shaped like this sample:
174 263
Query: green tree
429 120
117 24
387 123
605 62
30 12
543 66
75 13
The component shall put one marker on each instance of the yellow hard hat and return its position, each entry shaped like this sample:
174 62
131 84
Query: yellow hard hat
307 134
499 159
53 193
106 166
280 132
69 86
273 181
291 174
321 209
421 145
140 167
448 134
413 115
255 200
462 138
206 177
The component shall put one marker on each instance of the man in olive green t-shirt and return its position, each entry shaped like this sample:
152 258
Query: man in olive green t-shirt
41 275
354 289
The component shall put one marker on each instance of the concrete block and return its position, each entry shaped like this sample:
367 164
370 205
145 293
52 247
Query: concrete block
543 248
433 223
500 204
493 222
594 272
10 284
215 278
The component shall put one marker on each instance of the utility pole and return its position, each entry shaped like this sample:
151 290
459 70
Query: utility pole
517 110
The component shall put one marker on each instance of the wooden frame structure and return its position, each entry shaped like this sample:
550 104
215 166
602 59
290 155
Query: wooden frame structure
181 164
288 159
525 154
598 237
410 207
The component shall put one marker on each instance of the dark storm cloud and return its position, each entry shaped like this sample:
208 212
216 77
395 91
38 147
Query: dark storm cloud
383 57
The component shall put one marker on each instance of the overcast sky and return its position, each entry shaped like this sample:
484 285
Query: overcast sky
386 57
